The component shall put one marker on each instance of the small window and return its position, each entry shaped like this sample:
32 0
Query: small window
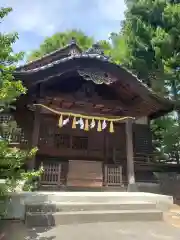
5 118
14 134
79 143
62 140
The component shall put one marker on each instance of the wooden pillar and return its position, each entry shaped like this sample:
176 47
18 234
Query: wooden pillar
105 158
130 157
35 135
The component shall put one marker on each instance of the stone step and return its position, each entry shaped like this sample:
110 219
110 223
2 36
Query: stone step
52 188
62 218
87 206
39 197
16 205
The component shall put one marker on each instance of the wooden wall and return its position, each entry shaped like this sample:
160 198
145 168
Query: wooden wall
67 142
142 139
110 147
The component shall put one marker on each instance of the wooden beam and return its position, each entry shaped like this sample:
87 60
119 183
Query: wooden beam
93 101
89 107
67 104
114 106
78 111
153 104
35 135
106 110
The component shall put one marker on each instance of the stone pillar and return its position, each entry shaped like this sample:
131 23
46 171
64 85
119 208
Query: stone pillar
130 157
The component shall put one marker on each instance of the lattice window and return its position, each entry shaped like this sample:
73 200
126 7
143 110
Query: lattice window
5 118
142 139
10 131
62 140
18 136
46 134
113 175
51 174
79 143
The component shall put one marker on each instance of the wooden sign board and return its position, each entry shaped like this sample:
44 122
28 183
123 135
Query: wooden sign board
84 173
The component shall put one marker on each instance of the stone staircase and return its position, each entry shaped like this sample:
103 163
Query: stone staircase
74 208
52 188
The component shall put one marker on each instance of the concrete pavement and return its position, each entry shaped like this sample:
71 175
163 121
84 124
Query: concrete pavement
97 231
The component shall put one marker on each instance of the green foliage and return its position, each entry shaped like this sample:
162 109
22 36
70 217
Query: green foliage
60 40
150 33
9 89
11 159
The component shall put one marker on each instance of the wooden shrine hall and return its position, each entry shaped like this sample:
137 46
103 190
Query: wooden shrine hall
89 118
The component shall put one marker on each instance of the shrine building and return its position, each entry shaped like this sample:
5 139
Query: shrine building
89 118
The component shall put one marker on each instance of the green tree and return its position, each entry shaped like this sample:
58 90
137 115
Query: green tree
61 39
150 33
11 159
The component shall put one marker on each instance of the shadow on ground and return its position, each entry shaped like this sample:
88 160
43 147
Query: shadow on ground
16 230
95 231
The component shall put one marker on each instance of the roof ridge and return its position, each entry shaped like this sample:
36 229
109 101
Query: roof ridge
51 53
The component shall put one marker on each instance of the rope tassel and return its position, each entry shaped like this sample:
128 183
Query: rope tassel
81 123
101 121
111 129
60 123
86 127
99 129
74 123
93 124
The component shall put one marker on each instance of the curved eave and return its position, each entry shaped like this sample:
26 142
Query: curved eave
99 62
162 112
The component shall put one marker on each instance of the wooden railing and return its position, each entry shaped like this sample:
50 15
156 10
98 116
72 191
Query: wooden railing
51 174
112 175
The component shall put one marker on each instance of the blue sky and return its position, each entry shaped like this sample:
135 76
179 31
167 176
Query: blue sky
36 19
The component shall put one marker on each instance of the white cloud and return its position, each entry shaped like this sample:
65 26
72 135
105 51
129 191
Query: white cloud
47 16
34 16
111 9
36 19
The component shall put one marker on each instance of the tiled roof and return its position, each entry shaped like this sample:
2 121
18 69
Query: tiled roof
96 54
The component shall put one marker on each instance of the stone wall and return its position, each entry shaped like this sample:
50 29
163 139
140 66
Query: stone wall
149 187
169 184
